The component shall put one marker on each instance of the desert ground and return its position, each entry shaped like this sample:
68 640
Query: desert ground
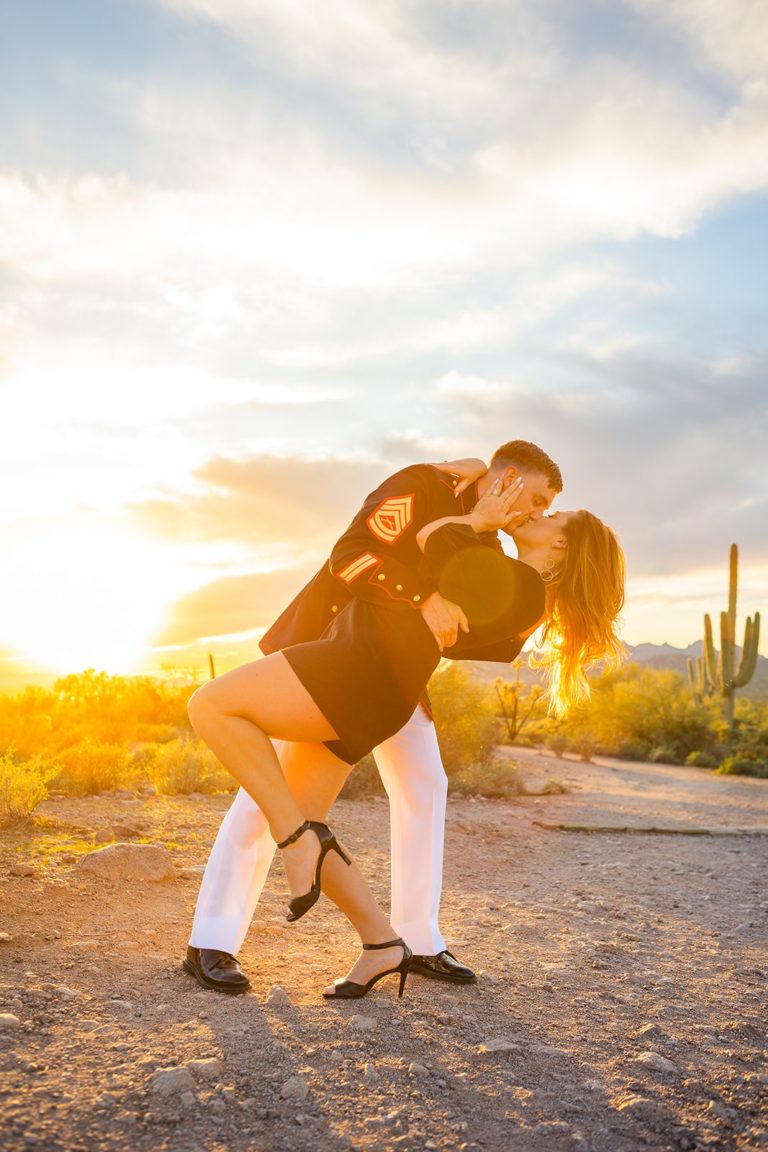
620 1005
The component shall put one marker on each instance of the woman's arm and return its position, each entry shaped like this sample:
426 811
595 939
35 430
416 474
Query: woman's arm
493 511
468 470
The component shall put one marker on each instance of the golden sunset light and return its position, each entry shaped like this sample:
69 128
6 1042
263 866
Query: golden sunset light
383 494
395 246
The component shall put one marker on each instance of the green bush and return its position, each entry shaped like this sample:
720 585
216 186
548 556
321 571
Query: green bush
700 760
183 766
631 750
664 755
363 780
742 766
23 785
498 780
467 728
557 743
93 766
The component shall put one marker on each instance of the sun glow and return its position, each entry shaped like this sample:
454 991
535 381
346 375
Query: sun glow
86 597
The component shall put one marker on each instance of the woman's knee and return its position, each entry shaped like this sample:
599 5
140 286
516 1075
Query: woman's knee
201 709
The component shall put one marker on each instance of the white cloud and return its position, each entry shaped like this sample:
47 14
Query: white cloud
385 49
731 35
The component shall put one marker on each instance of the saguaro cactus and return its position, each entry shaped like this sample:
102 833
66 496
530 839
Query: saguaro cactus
719 673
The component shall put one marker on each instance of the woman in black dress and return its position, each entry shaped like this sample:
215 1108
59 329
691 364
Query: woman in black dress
360 682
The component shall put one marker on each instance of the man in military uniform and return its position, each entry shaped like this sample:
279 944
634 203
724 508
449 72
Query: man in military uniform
377 559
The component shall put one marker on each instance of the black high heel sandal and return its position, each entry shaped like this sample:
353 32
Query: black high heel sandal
349 990
328 843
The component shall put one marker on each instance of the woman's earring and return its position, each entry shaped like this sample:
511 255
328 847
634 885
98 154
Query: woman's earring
548 574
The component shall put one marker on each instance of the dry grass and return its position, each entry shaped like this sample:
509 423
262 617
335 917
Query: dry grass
23 785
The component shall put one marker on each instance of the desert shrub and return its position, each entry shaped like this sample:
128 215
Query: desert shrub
585 744
700 760
184 766
467 728
630 750
739 765
497 780
363 781
557 743
93 766
635 710
663 755
23 785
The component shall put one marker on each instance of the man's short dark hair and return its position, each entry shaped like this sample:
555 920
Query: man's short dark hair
528 458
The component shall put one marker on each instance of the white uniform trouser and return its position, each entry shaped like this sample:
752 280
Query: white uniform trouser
412 773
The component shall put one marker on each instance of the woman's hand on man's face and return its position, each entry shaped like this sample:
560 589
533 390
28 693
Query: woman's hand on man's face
496 508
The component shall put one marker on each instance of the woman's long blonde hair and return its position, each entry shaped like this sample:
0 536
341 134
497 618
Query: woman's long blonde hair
582 602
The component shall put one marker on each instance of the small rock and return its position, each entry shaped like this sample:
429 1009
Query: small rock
651 1032
187 1100
9 1022
107 1099
499 1045
416 1069
218 1106
211 1069
277 997
5 937
370 1075
639 1106
295 1088
21 870
722 1112
170 1081
362 1023
657 1062
65 993
129 945
122 862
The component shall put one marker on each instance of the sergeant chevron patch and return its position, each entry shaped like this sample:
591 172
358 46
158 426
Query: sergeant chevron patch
392 517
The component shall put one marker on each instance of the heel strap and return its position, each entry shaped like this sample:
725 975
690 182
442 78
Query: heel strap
386 944
295 835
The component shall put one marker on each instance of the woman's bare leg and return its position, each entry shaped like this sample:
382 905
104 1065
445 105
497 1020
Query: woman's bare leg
236 714
315 777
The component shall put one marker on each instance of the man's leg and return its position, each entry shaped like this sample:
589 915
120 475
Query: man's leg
232 883
234 878
412 772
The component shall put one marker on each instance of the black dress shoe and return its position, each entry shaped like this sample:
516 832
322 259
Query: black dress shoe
217 970
444 966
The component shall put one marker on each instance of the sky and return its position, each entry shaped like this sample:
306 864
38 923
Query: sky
255 255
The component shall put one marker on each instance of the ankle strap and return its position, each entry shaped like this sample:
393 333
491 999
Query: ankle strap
386 944
295 835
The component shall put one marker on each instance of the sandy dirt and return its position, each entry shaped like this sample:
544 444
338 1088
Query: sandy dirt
621 1002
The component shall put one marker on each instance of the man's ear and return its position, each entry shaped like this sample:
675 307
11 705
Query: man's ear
508 475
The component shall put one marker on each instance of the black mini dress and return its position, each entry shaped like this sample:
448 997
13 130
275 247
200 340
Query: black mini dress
369 669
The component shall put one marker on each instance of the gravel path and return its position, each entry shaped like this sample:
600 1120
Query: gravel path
621 1003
